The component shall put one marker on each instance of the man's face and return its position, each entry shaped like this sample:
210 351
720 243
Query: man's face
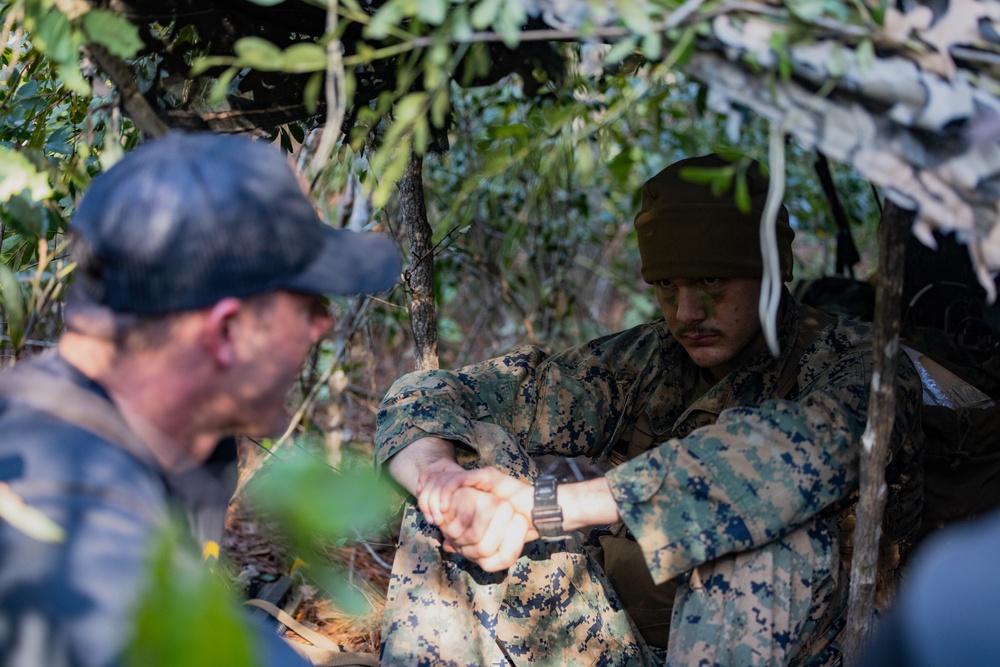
714 319
282 329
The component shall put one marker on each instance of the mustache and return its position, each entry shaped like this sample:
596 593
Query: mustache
697 330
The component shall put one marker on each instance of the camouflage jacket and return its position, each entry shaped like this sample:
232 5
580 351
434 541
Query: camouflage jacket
737 468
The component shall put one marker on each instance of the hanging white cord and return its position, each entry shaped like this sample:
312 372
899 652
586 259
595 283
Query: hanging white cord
770 289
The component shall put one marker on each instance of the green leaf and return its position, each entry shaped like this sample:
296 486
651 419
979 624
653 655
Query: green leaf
390 174
485 13
652 46
72 79
220 89
259 53
621 166
55 37
313 501
432 12
865 54
387 17
311 92
635 15
14 305
440 106
18 174
305 57
27 216
186 615
202 65
621 49
116 33
742 193
807 11
708 175
111 153
510 21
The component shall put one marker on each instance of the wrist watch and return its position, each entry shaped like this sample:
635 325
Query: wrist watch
546 513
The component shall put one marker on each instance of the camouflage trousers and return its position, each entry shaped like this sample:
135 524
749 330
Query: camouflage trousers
779 604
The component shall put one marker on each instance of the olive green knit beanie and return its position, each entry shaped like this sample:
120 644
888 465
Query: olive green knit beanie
686 231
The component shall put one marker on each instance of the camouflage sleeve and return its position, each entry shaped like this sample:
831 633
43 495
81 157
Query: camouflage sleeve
758 472
570 404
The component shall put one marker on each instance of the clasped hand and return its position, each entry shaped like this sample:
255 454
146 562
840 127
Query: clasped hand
484 514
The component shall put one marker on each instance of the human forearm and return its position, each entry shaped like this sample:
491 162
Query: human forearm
587 503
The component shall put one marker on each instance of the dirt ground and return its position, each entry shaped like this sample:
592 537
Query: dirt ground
256 555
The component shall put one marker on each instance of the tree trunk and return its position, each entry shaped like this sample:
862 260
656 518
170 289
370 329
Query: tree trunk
420 276
878 431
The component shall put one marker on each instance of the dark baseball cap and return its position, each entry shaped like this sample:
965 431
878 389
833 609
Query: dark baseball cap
191 218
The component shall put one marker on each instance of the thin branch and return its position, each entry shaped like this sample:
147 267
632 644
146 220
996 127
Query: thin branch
336 104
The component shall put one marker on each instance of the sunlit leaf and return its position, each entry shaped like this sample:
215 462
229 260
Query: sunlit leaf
186 616
652 46
312 91
621 49
116 33
708 175
258 53
485 13
305 57
635 15
391 172
440 106
865 54
220 89
18 174
432 12
806 10
314 501
509 23
13 305
389 15
55 37
742 193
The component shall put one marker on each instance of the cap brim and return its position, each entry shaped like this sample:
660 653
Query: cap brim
350 263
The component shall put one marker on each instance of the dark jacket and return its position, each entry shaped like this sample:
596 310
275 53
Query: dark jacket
70 603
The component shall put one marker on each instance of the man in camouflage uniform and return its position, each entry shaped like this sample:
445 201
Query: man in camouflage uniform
733 469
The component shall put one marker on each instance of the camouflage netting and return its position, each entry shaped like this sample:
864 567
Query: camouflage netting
910 97
910 101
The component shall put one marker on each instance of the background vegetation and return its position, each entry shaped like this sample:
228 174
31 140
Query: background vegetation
530 181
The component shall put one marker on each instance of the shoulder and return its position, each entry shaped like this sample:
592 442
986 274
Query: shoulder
107 503
42 456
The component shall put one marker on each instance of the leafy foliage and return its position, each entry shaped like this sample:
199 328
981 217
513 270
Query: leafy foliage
186 615
531 204
55 134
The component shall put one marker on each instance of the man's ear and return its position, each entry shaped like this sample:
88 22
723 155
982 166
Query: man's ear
219 331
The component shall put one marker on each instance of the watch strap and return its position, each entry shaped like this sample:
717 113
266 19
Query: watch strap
546 514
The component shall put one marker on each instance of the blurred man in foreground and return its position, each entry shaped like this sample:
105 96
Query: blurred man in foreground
201 270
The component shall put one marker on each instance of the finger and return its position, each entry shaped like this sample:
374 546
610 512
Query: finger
473 506
509 549
485 538
434 500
